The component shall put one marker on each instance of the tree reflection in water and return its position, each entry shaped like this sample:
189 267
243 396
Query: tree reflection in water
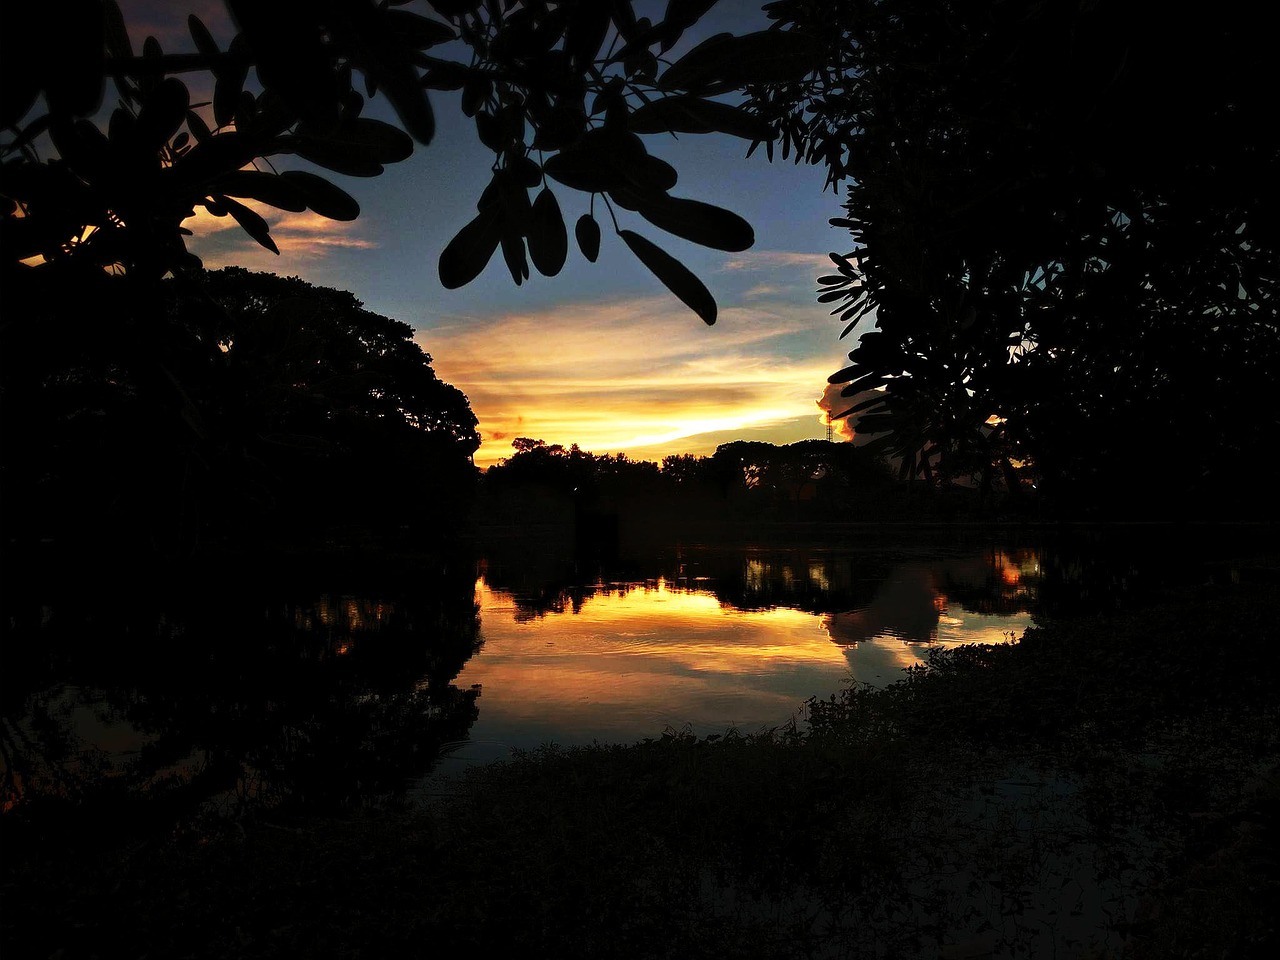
902 590
235 695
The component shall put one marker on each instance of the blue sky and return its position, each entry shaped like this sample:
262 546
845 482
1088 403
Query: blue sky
600 355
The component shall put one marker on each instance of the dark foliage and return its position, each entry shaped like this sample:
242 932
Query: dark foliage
558 91
1065 231
330 414
235 406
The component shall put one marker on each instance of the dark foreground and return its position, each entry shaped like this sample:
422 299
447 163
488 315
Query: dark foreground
1105 788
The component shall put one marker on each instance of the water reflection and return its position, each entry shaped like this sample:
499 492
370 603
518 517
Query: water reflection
723 638
235 696
971 599
305 688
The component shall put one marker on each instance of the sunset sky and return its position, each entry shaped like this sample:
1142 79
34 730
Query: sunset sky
600 355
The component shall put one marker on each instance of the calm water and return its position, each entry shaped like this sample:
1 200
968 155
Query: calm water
734 639
305 686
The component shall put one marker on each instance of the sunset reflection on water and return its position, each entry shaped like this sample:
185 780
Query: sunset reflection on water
623 661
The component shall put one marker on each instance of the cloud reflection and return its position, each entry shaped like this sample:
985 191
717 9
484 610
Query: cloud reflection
629 663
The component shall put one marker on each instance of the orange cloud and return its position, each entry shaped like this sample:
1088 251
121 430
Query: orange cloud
633 377
679 661
301 237
831 403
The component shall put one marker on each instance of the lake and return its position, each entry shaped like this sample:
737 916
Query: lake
726 638
323 683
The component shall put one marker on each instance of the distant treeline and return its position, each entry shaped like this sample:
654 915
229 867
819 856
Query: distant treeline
811 480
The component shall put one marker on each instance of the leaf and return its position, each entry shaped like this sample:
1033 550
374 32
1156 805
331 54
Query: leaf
230 83
881 398
203 39
121 127
357 148
32 130
417 31
514 255
513 197
674 275
698 222
697 66
548 239
117 37
444 74
322 196
199 129
844 375
588 24
650 174
74 78
214 157
686 13
333 155
861 381
489 131
252 223
268 188
581 170
526 172
559 127
163 112
391 67
607 160
476 90
724 62
681 114
587 233
468 253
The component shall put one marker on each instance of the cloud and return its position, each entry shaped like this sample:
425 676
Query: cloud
301 237
776 275
760 260
639 376
832 403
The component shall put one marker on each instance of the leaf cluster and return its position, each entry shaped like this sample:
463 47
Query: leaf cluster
116 198
559 91
562 92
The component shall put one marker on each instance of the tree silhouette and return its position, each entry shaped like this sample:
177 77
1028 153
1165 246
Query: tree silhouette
288 410
1065 229
323 408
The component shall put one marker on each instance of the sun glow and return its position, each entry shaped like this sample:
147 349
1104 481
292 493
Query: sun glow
631 377
626 659
641 657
